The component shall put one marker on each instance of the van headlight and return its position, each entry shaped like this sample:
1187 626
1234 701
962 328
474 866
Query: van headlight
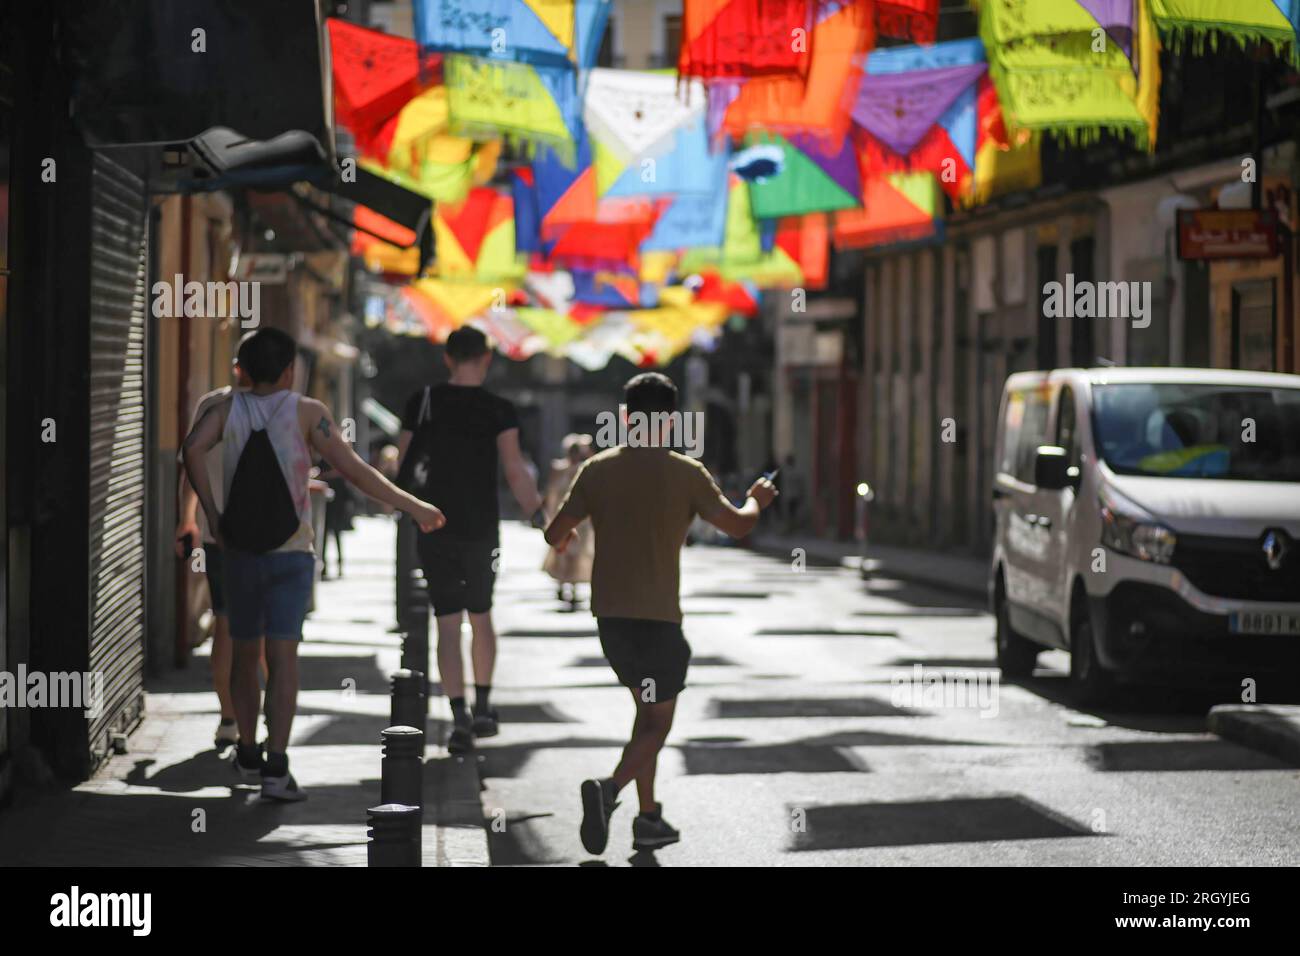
1129 530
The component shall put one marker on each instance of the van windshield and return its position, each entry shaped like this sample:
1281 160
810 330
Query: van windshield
1199 431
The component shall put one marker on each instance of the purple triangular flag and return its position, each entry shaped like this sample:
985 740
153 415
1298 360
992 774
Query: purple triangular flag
900 108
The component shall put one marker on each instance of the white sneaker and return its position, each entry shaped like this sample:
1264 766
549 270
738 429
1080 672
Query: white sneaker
227 735
284 789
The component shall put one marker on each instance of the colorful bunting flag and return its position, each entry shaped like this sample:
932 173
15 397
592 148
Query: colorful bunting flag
1057 68
475 238
915 20
788 177
899 207
374 74
528 105
539 32
730 38
820 104
1246 21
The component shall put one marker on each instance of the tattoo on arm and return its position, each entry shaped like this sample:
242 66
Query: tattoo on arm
324 426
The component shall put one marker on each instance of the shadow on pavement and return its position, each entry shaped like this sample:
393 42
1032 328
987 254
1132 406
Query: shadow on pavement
518 843
773 707
509 760
962 820
797 757
1181 755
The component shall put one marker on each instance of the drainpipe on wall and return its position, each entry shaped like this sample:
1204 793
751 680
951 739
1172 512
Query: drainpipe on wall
181 647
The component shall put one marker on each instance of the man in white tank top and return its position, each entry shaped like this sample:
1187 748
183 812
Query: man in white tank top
268 592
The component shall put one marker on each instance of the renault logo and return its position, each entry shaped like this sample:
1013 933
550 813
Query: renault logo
1275 546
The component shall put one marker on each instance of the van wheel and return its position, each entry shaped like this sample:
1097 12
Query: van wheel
1017 655
1090 684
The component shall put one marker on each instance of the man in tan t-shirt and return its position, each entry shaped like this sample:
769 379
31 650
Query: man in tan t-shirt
641 499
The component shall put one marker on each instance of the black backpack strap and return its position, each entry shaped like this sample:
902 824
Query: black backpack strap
426 407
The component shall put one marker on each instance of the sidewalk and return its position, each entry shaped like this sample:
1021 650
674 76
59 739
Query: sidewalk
956 572
1271 728
171 801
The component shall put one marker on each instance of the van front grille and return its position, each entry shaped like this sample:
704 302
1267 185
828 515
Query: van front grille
1237 568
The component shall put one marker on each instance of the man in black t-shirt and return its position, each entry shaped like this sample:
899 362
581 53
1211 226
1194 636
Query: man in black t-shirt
456 435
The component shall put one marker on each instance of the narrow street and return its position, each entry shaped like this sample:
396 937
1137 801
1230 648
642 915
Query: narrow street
789 716
789 707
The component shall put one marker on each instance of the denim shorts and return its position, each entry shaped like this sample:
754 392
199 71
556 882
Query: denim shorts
267 594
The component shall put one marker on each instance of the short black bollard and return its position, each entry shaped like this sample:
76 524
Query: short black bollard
410 705
406 560
415 646
402 773
396 836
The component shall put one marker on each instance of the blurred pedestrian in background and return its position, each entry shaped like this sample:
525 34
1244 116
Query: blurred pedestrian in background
793 490
339 511
572 566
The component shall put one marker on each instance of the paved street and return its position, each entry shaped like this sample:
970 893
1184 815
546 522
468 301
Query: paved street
789 748
790 708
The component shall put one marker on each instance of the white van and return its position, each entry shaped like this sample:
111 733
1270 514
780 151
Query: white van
1148 522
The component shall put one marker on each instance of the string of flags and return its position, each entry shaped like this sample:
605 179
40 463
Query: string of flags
587 212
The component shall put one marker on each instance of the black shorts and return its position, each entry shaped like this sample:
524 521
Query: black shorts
650 657
459 572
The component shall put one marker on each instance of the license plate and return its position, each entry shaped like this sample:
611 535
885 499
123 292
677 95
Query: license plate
1264 622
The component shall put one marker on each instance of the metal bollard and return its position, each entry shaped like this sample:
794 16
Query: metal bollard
415 645
402 772
407 559
410 705
396 836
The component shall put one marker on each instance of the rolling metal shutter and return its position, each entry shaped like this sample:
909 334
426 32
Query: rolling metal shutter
117 448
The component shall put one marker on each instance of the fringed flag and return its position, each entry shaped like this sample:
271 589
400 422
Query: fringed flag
818 104
733 38
527 105
1245 21
539 32
917 108
914 20
1059 67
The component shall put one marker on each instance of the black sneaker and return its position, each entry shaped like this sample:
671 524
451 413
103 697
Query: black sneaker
248 772
461 740
485 724
652 832
598 805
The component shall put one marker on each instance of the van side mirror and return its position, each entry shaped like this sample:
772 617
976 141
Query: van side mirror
1051 468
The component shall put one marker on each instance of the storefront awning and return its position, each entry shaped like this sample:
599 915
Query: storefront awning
168 71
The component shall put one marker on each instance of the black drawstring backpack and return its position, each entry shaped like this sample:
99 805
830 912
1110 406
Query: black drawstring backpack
259 515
